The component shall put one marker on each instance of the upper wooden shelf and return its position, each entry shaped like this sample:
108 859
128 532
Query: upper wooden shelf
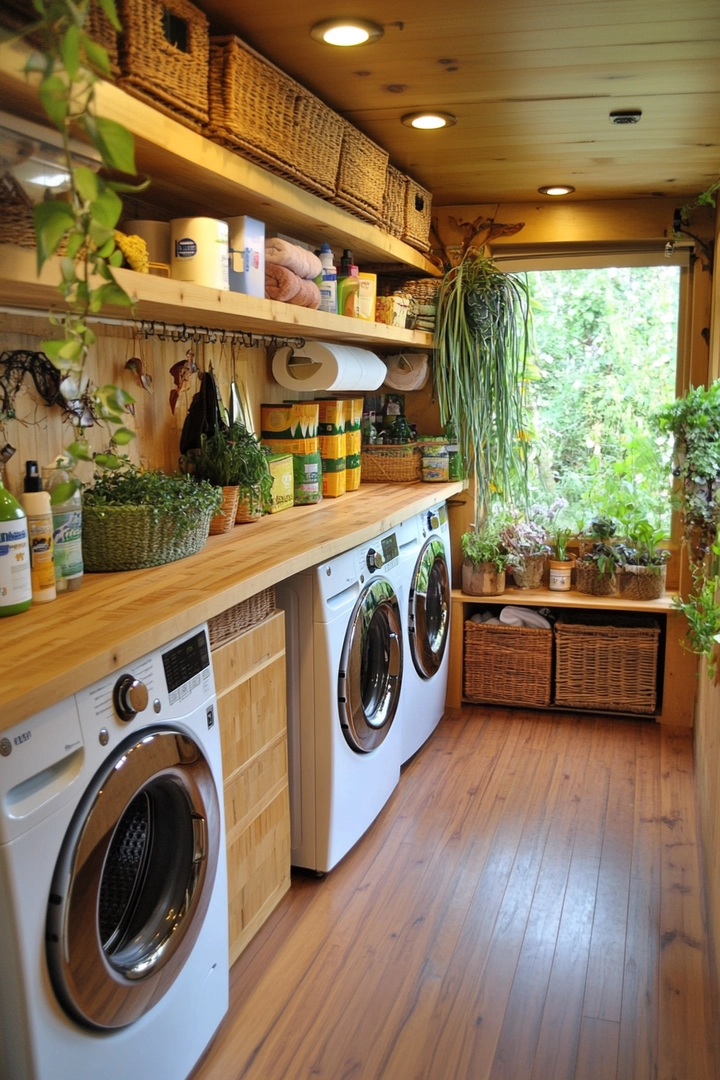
178 302
571 599
193 176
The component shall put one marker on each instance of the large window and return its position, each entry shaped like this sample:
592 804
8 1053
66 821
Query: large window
606 358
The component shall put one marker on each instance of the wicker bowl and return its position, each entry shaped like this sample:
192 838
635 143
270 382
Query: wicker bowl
136 537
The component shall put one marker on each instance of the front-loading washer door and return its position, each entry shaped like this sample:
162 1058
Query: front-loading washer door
371 667
429 609
134 878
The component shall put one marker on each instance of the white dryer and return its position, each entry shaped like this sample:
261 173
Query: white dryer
344 642
113 884
428 584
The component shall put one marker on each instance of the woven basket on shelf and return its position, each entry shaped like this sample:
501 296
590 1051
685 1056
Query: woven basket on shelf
135 538
16 214
393 213
241 617
244 514
361 175
508 665
259 111
606 661
391 464
590 581
224 519
418 215
101 30
164 57
641 582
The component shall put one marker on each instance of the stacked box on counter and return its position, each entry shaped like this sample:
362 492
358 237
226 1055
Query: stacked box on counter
331 428
353 441
292 428
282 494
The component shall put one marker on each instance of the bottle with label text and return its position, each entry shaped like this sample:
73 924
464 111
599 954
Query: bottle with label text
36 504
66 504
327 282
348 286
15 581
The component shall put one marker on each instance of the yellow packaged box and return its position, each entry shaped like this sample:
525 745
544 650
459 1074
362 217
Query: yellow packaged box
282 494
333 477
293 446
289 420
353 444
366 297
354 413
352 477
331 416
333 446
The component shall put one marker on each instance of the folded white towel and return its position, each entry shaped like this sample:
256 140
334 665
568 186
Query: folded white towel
522 616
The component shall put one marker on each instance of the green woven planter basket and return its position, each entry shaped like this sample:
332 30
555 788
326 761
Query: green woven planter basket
134 538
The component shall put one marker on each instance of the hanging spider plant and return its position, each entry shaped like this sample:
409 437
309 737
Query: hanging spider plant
481 344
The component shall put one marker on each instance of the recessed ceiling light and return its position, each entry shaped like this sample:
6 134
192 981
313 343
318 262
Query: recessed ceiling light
556 189
346 31
427 121
626 116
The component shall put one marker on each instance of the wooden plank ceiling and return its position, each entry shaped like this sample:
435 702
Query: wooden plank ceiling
532 84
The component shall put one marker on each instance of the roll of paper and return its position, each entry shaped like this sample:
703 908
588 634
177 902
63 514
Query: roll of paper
199 251
322 366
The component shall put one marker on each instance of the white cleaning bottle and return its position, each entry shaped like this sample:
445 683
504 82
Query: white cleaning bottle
36 504
66 503
328 281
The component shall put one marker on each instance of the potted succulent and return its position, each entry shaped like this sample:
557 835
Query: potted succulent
485 560
134 519
642 565
595 568
526 543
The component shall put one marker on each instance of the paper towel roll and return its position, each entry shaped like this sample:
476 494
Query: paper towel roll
156 235
407 371
199 251
321 366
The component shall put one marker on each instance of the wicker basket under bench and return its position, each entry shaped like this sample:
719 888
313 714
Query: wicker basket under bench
507 665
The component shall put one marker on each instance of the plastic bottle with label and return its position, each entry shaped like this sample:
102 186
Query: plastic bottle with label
66 504
36 504
15 580
348 286
327 282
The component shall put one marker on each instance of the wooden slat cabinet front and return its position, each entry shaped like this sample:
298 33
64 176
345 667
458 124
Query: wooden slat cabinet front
250 685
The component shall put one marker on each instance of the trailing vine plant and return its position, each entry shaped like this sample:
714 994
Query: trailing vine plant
69 67
694 421
481 344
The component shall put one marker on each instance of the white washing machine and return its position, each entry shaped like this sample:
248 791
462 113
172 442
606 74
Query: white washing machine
344 641
426 572
113 883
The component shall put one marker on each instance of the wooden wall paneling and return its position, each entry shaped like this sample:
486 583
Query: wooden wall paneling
250 683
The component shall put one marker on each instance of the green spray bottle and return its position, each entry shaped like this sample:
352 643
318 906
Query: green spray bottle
15 579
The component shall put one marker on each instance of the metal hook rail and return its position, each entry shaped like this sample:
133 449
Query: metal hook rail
163 331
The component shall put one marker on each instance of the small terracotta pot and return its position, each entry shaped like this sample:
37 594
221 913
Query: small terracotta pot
483 579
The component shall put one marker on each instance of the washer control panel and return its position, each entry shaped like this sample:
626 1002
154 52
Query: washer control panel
387 551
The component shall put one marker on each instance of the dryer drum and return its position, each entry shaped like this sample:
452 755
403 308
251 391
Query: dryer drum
133 879
371 667
429 609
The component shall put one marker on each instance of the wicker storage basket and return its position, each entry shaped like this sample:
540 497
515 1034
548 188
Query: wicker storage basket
641 582
101 30
418 215
606 661
590 581
241 617
224 520
16 214
361 175
391 464
165 57
258 110
508 665
393 213
134 538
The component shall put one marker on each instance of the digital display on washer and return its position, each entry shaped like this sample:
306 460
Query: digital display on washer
185 660
390 547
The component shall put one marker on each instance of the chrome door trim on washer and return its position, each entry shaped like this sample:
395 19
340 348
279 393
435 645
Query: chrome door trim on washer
371 666
429 609
133 878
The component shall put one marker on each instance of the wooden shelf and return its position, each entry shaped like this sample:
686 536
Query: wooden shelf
171 301
571 599
192 175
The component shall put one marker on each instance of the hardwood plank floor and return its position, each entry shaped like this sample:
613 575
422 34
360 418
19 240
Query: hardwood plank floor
527 907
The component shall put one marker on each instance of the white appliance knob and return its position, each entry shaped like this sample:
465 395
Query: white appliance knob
374 560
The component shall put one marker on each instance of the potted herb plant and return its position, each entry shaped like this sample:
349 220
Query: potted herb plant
642 565
595 568
525 541
233 460
134 519
253 475
485 560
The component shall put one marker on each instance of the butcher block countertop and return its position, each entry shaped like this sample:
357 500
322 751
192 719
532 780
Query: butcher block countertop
55 649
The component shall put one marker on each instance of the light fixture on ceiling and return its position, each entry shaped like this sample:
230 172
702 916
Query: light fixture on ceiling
429 120
625 116
346 32
556 189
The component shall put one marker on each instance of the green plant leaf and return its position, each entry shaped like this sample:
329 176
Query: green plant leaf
97 55
110 9
107 208
110 294
53 219
114 142
80 450
70 350
70 50
108 461
122 436
54 97
86 183
63 492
